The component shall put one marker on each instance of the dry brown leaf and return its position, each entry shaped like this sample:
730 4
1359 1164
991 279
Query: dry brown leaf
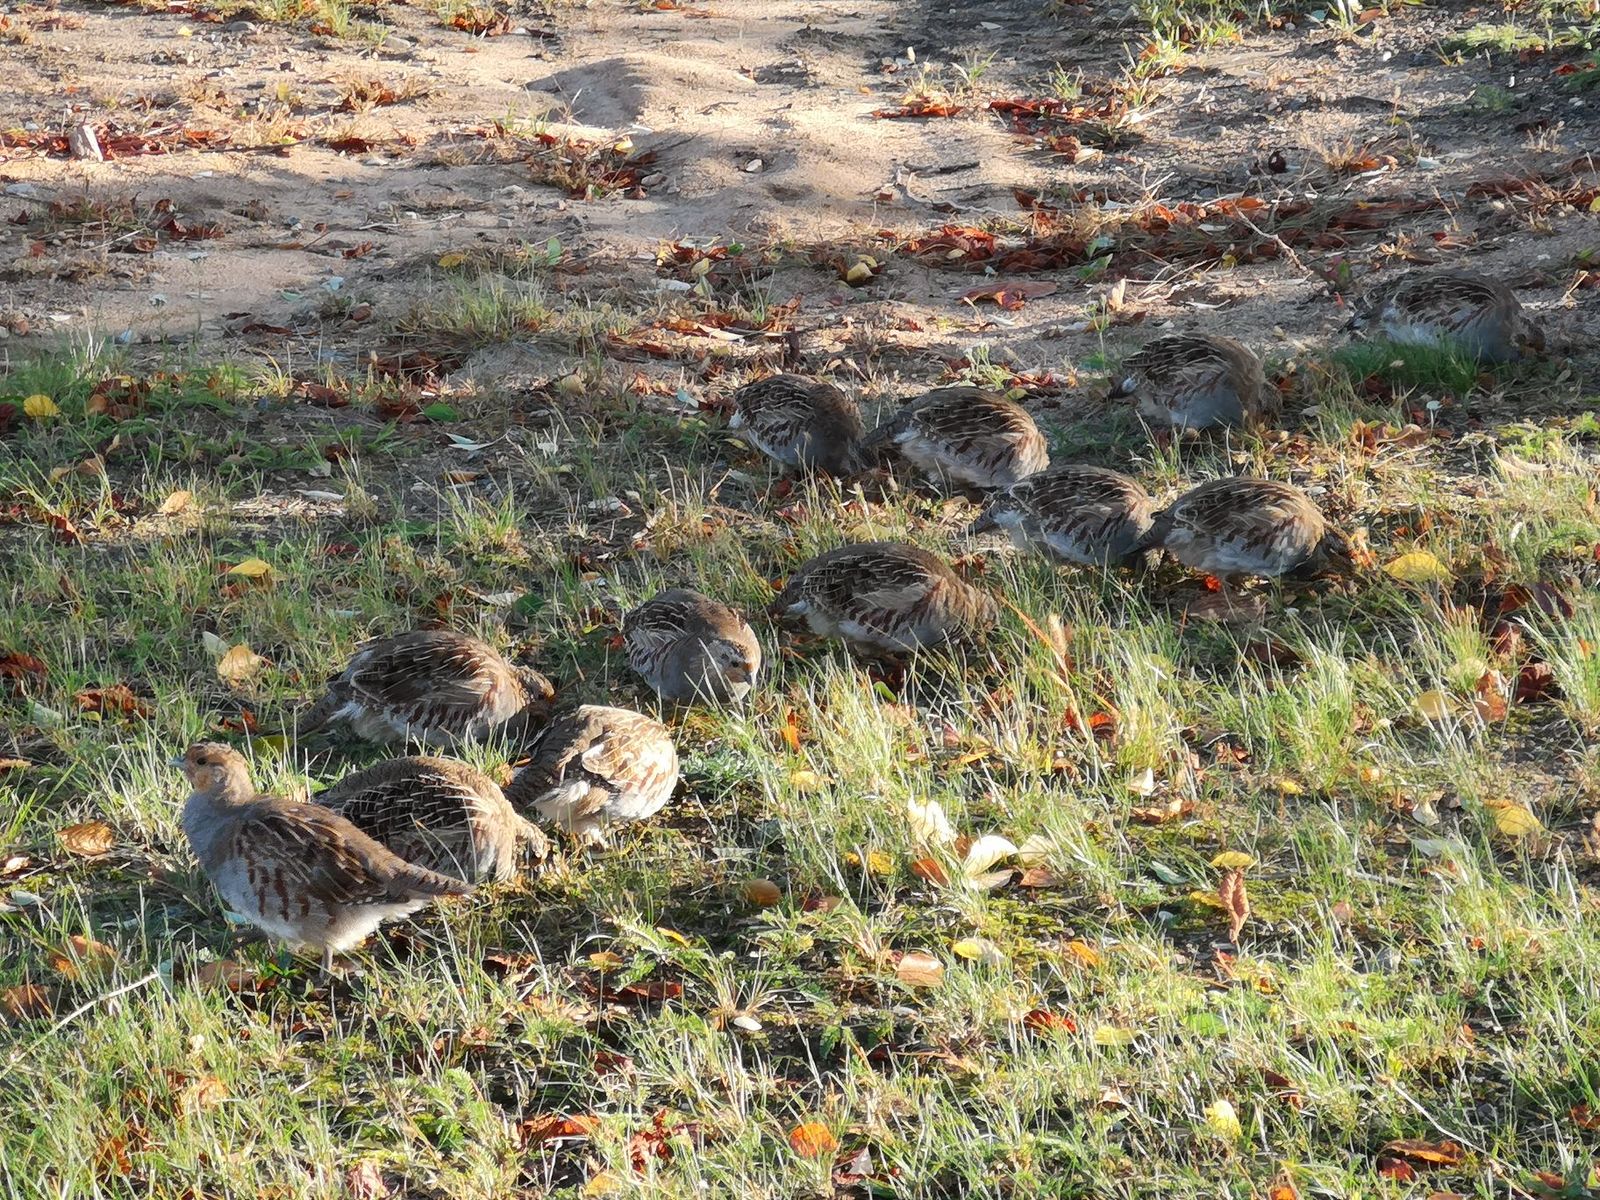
1433 1154
24 1002
1230 890
554 1126
88 839
365 1182
175 503
916 969
200 1094
82 958
225 973
239 665
763 893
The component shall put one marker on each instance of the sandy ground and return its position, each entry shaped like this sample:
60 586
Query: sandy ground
760 117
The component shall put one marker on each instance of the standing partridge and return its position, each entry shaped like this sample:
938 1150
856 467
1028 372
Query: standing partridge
296 871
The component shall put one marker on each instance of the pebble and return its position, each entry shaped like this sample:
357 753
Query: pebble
28 191
239 27
754 165
397 45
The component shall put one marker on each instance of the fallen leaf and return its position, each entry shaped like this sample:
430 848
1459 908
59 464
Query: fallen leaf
928 824
1231 891
1434 705
200 1094
224 974
805 780
1490 700
39 406
552 1127
1223 1121
1433 1154
175 503
1233 860
985 853
1584 1116
1011 294
1084 954
239 665
365 1182
1042 1020
88 839
1418 567
1515 821
603 1183
813 1140
1112 1035
1535 682
763 893
653 992
24 1002
916 969
116 700
930 869
252 568
82 958
977 949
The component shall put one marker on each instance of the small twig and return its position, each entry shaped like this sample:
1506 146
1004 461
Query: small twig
22 1052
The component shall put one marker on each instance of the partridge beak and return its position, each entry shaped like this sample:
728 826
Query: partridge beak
178 762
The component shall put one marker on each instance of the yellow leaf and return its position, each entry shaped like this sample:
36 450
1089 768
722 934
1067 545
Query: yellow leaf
1086 954
876 862
1233 860
1112 1035
977 949
672 935
805 780
239 665
39 406
858 274
252 568
1434 705
916 969
175 503
1288 787
1514 820
605 960
604 1183
1222 1120
453 259
1418 567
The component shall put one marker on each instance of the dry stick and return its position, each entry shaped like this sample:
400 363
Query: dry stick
22 1052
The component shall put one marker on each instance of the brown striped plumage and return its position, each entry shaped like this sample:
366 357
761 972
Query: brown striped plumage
1238 526
297 871
688 647
1197 381
807 424
432 686
1475 315
964 437
596 766
885 596
437 813
1079 514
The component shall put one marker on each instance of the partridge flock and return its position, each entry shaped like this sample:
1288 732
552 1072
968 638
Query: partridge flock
388 840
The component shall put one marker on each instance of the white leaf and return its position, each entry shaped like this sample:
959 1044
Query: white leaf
1036 851
928 823
986 852
318 494
214 645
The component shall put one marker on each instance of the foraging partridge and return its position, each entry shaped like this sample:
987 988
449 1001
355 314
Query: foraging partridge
1079 514
596 766
1458 310
1237 526
297 871
688 647
805 424
888 597
1196 381
437 813
432 686
964 437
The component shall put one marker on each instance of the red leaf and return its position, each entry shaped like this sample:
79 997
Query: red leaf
1011 294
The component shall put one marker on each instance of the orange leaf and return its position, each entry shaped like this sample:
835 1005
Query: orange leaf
813 1140
551 1127
24 1002
1434 1154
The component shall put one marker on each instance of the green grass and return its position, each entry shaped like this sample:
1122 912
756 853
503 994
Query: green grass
1409 968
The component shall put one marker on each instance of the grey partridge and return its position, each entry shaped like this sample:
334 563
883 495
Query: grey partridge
432 686
964 437
1238 526
689 648
437 813
296 871
888 597
1458 310
594 767
1197 381
1078 514
805 424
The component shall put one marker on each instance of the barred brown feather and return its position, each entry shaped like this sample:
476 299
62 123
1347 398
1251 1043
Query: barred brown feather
965 436
1240 526
1080 514
808 424
689 647
1198 381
